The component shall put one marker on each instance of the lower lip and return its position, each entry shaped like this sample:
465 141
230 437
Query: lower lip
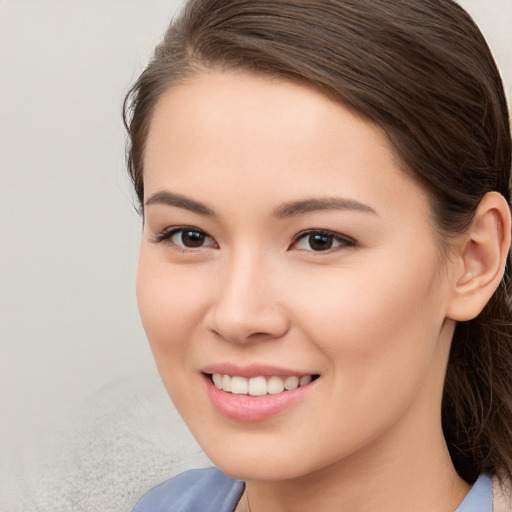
253 408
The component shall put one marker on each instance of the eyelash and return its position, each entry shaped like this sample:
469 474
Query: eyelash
166 236
342 240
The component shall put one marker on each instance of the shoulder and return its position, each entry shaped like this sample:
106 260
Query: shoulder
196 490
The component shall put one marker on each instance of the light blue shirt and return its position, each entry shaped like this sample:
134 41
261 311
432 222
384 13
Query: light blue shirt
210 490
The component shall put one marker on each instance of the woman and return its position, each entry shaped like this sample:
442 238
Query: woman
323 278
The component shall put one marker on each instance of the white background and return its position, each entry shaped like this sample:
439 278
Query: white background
69 233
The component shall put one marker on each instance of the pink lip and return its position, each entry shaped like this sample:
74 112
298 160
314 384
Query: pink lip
254 408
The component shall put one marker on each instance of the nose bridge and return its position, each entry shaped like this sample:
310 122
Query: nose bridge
247 302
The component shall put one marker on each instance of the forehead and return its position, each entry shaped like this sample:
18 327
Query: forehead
224 99
242 134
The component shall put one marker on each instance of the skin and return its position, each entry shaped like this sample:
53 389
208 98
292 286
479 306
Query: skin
370 316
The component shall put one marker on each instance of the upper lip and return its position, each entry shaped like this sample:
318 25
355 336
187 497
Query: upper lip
252 370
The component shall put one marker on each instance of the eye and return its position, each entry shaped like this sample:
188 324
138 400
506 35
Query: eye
320 241
185 237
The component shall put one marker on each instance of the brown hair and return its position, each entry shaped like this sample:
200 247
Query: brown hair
421 70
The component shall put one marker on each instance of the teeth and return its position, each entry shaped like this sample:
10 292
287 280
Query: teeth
259 386
275 385
239 385
291 383
305 380
217 380
226 383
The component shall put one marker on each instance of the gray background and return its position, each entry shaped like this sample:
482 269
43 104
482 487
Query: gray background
69 233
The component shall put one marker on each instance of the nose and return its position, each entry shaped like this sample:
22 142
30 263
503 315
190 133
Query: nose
247 303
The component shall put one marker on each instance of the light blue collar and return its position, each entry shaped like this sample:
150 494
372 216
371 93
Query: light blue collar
207 490
479 498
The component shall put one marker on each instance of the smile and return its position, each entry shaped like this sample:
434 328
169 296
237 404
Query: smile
258 392
259 386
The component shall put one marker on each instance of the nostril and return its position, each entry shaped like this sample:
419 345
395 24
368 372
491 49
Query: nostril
239 332
259 335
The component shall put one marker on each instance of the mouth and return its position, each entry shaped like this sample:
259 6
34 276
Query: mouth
260 385
255 393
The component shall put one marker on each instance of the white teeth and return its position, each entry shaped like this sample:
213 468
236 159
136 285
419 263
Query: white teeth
259 386
226 383
304 380
217 380
291 382
275 385
239 385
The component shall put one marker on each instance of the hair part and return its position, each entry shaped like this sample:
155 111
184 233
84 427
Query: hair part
422 71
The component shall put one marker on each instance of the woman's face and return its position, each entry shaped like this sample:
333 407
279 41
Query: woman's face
282 244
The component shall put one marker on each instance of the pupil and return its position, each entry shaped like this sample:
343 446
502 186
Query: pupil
192 238
320 242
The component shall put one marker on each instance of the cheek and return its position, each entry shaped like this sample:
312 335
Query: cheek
169 305
380 349
369 322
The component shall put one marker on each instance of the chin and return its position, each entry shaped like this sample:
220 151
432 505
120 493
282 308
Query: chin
263 469
253 461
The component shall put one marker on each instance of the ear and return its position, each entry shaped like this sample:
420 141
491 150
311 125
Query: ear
480 257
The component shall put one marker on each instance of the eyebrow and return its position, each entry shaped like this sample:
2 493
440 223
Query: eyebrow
290 209
294 208
172 199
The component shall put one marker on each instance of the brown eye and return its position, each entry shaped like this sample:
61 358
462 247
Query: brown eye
320 241
189 238
185 237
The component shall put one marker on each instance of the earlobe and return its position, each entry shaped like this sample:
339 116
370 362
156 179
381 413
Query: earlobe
481 257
